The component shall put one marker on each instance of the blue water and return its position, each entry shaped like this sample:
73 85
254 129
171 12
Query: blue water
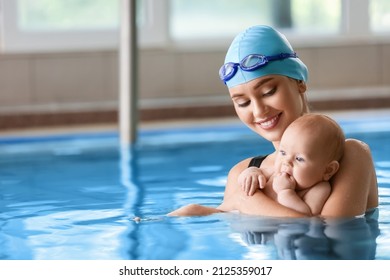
75 197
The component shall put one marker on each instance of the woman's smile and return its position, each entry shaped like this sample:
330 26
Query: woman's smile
269 123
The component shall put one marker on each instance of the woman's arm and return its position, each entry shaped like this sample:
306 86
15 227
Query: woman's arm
257 204
194 210
354 186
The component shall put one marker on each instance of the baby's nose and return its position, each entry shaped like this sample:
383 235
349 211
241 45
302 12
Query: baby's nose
287 162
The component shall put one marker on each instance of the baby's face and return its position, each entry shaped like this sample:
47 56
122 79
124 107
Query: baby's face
301 155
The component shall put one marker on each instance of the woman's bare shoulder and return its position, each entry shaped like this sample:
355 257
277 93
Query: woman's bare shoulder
268 160
355 180
240 166
357 155
352 144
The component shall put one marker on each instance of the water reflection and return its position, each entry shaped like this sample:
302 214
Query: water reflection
152 232
314 238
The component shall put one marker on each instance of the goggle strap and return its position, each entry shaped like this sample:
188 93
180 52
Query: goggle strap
281 56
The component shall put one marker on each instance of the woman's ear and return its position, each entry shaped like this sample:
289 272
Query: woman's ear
302 86
330 170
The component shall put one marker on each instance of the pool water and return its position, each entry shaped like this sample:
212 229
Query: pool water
75 196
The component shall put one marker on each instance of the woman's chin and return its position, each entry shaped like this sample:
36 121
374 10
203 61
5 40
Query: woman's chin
270 135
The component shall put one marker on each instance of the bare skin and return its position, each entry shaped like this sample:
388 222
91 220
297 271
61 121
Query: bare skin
267 105
307 158
352 193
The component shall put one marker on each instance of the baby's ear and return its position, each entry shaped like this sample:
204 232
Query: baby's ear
331 169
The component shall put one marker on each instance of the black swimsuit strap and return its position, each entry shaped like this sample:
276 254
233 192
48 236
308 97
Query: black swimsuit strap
256 161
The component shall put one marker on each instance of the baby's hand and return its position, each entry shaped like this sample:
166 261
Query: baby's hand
283 181
251 179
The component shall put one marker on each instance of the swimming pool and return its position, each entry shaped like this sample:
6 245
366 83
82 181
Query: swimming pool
74 196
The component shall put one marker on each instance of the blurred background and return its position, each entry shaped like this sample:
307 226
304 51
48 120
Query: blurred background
59 58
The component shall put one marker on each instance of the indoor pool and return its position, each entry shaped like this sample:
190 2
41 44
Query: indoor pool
74 196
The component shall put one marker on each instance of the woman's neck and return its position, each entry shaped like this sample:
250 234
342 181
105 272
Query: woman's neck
276 145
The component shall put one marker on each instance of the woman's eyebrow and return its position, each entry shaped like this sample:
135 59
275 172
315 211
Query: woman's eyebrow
235 95
256 86
262 82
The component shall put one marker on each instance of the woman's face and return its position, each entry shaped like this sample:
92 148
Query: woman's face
269 104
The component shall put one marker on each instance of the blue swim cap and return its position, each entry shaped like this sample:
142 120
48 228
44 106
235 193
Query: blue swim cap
264 40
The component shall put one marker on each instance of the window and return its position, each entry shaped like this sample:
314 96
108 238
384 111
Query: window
380 15
52 25
218 18
43 25
48 15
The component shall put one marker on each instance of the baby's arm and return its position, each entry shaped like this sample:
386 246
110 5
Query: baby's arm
251 179
316 197
284 186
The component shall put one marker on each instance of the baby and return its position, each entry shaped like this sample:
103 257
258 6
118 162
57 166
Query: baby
307 157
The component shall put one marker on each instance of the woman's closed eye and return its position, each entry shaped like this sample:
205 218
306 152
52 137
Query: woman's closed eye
270 92
243 103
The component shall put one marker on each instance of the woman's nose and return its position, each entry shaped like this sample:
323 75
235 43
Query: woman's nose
259 109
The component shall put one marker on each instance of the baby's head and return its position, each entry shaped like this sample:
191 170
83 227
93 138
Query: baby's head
320 133
310 149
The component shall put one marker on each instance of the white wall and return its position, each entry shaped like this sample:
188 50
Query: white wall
82 81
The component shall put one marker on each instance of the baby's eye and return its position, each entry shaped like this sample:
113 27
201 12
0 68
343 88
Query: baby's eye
283 153
300 159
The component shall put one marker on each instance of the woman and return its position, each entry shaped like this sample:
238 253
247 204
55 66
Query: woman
267 84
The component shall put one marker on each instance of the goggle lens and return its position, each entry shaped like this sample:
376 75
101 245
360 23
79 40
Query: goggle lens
253 61
250 63
228 70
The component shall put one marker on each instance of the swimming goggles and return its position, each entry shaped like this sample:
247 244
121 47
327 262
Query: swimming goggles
251 62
